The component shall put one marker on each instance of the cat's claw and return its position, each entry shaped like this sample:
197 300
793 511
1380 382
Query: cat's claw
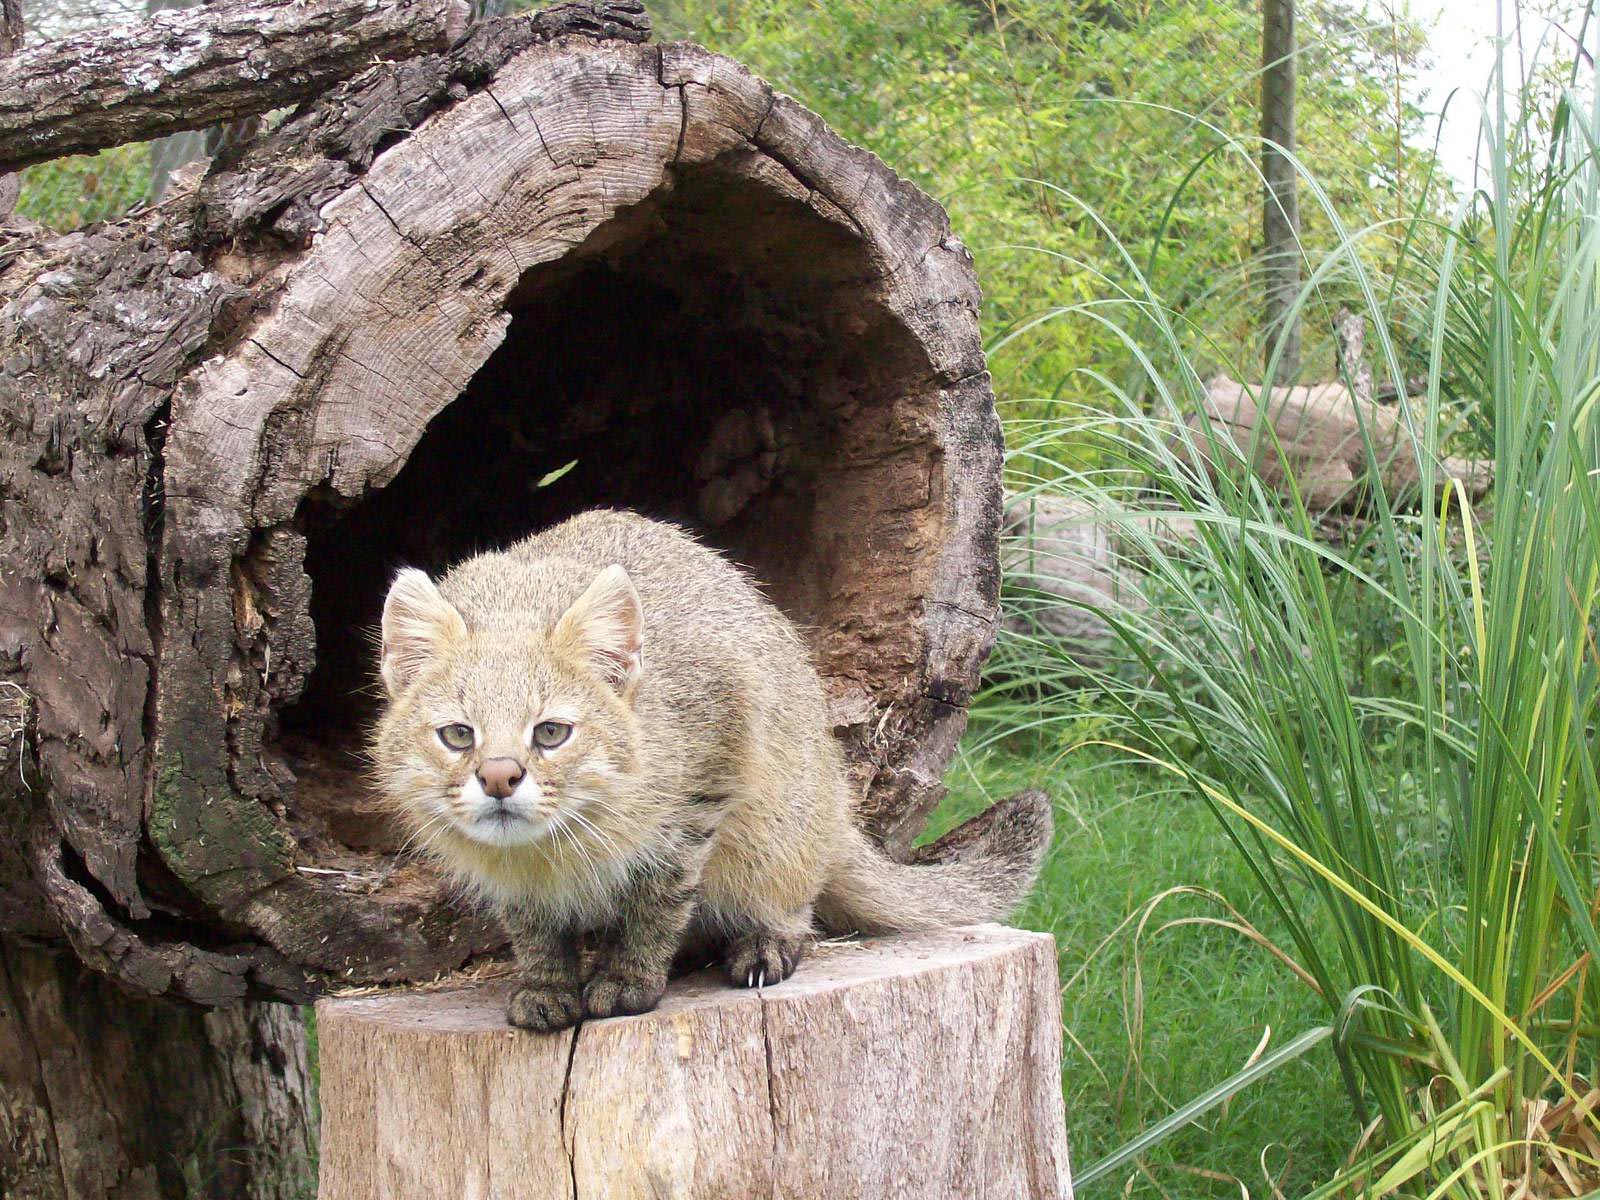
761 959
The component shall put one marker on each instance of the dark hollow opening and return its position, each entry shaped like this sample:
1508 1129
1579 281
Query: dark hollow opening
710 357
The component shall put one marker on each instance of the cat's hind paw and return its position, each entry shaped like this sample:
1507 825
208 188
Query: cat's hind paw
763 958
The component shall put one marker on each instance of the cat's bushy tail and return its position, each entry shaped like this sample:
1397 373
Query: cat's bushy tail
979 871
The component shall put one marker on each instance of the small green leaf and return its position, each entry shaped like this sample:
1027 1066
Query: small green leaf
547 480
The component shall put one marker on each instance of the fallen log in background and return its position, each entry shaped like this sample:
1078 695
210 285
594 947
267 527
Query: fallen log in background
921 1066
1320 444
1067 566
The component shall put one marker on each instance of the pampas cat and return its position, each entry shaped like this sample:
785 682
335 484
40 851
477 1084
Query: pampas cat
608 733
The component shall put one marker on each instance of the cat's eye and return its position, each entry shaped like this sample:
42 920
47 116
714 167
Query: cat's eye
547 735
456 737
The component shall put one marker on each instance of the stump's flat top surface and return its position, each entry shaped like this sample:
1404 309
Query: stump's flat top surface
829 966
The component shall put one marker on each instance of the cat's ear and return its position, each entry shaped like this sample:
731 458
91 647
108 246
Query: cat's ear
418 624
606 624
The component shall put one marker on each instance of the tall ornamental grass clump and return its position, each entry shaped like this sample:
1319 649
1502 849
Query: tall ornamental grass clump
1396 727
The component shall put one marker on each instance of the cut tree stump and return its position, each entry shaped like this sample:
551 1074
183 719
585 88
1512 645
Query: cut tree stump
920 1066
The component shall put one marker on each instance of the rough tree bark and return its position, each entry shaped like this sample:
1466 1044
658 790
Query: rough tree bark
191 68
224 421
106 1094
10 43
10 27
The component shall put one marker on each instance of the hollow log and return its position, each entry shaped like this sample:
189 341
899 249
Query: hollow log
919 1066
450 302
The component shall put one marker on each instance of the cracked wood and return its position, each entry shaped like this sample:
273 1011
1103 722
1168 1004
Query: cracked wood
804 1090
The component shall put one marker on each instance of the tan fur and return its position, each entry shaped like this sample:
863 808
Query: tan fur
700 747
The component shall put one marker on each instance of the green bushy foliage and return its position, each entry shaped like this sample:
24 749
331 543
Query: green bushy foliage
1025 117
71 192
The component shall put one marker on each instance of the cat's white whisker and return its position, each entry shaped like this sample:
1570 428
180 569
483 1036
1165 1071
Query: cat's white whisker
594 829
433 823
560 826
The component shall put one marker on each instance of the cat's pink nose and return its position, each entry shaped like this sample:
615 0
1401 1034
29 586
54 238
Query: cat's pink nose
500 776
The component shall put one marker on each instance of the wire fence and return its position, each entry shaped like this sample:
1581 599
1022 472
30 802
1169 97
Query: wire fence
70 193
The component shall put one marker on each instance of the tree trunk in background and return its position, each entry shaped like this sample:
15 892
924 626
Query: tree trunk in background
107 1094
10 40
1280 216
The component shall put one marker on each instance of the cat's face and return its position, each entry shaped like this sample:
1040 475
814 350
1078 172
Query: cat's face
514 733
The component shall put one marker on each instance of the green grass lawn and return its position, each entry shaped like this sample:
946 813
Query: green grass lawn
1123 837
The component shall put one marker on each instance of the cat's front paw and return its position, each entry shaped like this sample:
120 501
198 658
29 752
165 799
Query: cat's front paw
615 993
545 1008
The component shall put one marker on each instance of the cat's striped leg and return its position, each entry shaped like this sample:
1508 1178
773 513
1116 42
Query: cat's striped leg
550 996
630 972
